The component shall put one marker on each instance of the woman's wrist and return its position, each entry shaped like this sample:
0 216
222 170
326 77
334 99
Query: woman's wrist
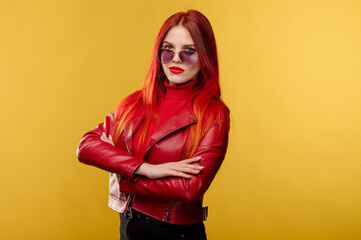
142 169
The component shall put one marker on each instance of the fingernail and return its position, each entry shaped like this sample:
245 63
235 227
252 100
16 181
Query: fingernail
201 167
198 157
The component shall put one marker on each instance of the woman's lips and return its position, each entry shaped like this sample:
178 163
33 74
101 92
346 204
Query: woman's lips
176 70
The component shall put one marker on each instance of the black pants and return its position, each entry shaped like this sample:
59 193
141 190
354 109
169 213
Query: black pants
143 227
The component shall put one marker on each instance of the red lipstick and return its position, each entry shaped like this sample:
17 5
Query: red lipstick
176 70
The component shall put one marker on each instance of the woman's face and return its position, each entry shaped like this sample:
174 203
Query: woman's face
179 39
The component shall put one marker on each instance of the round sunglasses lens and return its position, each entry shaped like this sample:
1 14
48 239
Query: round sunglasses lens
165 55
188 57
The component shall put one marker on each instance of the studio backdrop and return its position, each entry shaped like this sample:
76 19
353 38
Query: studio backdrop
290 72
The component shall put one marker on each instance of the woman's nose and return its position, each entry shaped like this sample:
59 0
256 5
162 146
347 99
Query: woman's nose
176 57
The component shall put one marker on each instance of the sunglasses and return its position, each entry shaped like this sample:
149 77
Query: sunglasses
186 56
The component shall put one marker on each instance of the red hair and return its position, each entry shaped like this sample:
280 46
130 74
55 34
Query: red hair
206 102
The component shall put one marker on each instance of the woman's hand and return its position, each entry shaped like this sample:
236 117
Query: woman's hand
172 169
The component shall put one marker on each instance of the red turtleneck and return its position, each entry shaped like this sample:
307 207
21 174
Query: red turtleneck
175 98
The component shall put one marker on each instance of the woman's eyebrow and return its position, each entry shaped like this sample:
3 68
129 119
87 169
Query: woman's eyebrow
189 45
165 42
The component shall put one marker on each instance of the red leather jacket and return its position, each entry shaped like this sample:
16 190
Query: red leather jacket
172 199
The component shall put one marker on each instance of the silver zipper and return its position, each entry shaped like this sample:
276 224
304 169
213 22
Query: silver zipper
166 216
128 212
205 213
167 213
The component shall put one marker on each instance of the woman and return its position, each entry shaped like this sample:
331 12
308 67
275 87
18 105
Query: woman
165 143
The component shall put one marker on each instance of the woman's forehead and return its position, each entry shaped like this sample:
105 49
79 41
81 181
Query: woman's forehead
178 35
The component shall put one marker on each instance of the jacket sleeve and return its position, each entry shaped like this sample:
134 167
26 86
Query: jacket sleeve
94 151
212 150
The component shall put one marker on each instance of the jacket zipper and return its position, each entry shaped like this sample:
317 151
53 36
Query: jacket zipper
128 211
167 213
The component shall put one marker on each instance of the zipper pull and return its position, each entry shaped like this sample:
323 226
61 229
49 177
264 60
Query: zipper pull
128 213
166 217
205 213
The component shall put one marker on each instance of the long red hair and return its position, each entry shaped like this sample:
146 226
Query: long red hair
206 102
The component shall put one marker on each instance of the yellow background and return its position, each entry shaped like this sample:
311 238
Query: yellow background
290 73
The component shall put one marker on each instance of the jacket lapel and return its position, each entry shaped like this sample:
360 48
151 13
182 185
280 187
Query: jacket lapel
182 118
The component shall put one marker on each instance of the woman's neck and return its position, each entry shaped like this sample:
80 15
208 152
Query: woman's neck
179 91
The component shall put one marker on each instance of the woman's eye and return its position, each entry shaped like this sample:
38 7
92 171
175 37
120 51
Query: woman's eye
191 49
168 46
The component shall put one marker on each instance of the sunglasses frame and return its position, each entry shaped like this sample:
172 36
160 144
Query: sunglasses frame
174 52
